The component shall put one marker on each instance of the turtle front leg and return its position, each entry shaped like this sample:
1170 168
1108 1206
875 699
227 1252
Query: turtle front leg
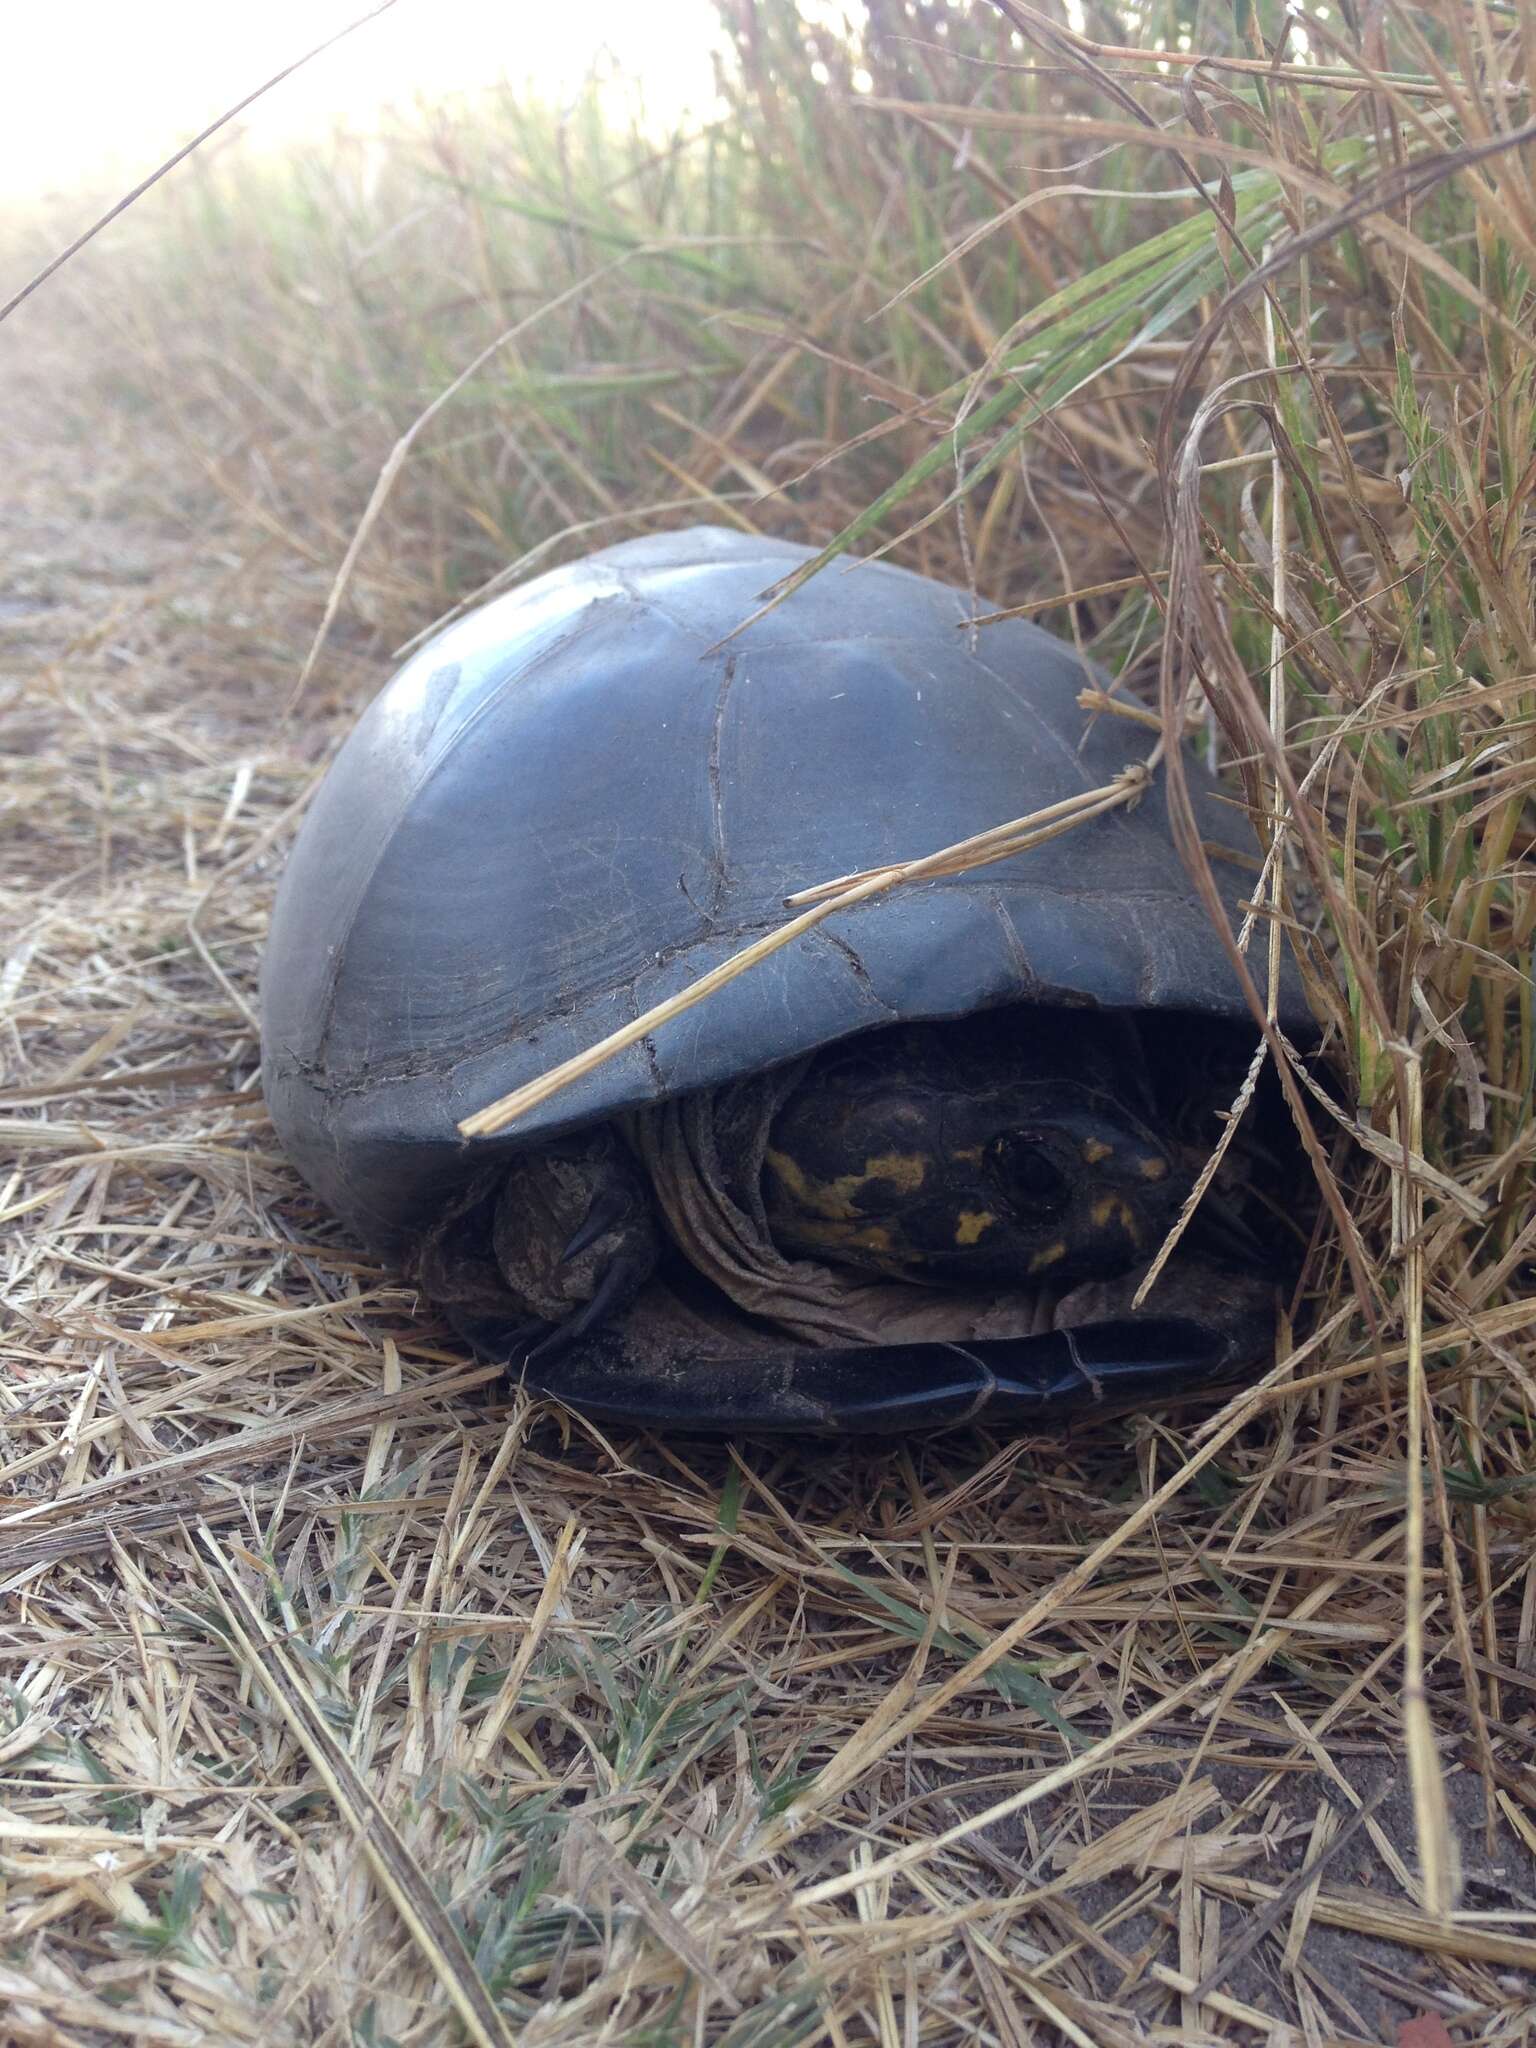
575 1235
543 1249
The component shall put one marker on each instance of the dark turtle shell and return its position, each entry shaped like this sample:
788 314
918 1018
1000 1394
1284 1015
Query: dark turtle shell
574 801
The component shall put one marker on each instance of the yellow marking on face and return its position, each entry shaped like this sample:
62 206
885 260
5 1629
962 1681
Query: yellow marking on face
904 1170
874 1239
834 1199
972 1222
1095 1149
1051 1256
824 1199
832 1235
1116 1209
1152 1167
971 1154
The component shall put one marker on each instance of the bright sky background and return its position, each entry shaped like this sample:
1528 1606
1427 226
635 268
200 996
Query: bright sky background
98 89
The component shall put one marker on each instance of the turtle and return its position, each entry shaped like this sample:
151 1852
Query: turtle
905 1171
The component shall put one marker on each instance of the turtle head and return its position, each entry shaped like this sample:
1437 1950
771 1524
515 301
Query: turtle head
945 1181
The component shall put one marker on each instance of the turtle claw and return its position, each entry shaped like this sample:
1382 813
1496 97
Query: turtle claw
609 1208
614 1291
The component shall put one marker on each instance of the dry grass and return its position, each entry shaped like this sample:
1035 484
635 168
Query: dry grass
346 1698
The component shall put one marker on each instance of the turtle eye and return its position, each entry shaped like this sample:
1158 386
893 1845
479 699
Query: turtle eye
1025 1173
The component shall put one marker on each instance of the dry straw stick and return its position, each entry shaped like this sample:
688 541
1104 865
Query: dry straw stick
999 842
1430 1819
1369 1913
129 198
1328 1840
1271 882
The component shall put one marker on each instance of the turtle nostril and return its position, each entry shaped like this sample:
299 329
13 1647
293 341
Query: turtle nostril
1026 1175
